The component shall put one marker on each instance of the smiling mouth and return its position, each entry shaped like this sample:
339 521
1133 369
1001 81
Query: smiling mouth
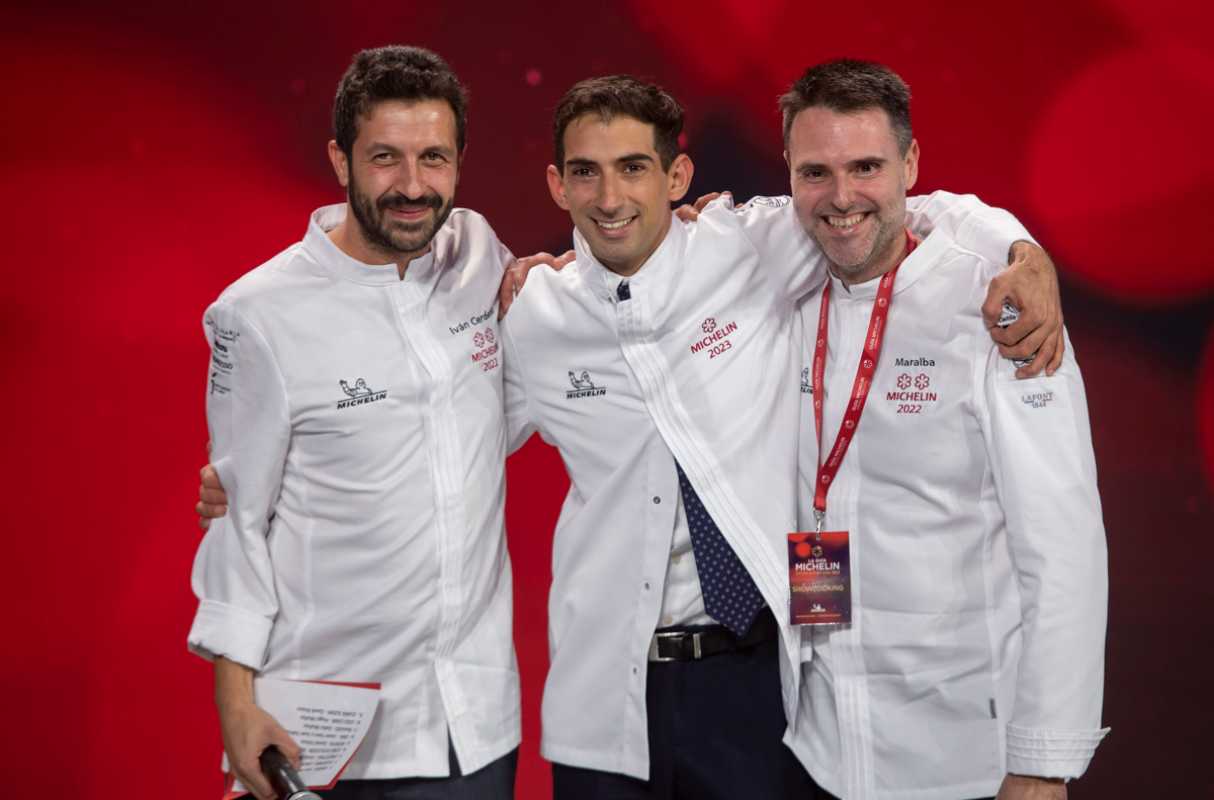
409 211
844 224
615 225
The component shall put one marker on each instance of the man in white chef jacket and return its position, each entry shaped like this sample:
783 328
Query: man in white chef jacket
355 407
973 662
660 364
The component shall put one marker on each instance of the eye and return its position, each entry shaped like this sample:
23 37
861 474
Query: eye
868 168
433 157
382 158
634 168
813 173
582 172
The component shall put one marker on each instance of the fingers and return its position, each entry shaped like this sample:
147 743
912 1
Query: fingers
284 742
992 307
564 259
210 478
705 199
1059 350
506 292
1030 323
687 213
250 774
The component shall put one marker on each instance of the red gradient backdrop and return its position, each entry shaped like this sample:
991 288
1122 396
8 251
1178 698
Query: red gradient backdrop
153 154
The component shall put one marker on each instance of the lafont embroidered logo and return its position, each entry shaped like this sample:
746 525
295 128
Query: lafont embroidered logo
359 394
807 386
1037 399
583 386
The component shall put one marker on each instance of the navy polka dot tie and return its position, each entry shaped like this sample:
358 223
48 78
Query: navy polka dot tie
730 595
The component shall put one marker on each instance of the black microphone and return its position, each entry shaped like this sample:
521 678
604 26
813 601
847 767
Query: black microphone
283 778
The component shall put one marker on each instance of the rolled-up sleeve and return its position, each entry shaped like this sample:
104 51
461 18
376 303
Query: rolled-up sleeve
249 426
1040 446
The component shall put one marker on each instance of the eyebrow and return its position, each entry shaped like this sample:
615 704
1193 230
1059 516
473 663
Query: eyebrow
586 162
804 165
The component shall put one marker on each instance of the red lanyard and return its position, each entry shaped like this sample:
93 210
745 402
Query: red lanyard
859 392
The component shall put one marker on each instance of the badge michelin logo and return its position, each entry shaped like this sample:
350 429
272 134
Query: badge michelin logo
359 394
583 386
807 386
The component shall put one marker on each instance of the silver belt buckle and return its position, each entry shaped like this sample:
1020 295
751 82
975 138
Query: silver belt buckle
654 654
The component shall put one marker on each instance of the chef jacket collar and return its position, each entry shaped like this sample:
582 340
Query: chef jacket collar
334 261
651 280
917 264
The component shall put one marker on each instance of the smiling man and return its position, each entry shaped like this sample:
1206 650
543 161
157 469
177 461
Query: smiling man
973 661
663 364
356 415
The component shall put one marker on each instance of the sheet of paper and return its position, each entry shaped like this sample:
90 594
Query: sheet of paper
327 720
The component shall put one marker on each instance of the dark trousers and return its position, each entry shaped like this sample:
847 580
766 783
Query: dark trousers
715 729
492 782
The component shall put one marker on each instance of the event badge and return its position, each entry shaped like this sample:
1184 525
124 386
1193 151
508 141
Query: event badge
819 578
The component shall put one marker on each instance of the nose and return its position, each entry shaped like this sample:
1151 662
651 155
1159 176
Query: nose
610 196
842 195
408 179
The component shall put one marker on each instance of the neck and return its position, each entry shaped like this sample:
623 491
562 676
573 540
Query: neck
626 269
350 239
891 256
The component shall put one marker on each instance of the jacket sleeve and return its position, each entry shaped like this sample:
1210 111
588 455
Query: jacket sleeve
1040 446
249 427
971 223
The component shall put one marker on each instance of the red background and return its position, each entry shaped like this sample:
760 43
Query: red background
151 155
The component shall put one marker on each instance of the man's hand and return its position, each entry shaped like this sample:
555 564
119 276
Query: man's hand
692 213
212 501
1030 283
516 275
1022 787
248 730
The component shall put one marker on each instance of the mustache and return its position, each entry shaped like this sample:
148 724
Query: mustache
398 201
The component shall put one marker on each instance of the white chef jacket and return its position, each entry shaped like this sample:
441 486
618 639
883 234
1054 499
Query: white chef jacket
356 421
690 368
978 562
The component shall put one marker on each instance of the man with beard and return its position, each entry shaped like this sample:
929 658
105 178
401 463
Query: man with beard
355 410
973 659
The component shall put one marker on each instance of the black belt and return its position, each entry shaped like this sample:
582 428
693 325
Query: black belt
694 644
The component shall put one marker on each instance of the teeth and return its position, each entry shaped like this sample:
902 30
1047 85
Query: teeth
612 226
844 222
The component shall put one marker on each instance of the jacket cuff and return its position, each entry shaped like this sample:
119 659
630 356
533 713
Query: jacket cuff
1048 753
223 630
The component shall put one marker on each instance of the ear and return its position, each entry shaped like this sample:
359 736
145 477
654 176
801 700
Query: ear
680 172
556 186
341 165
912 164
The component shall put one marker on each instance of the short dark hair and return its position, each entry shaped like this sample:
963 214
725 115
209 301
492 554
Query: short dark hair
395 73
615 95
847 85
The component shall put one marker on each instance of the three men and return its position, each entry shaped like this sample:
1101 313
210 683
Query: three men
680 451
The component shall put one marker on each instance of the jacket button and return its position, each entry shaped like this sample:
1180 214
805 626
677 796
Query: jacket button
656 500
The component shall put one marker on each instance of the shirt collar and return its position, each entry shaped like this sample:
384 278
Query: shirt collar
653 274
333 260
